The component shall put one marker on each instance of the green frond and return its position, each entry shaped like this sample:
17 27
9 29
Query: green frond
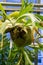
28 61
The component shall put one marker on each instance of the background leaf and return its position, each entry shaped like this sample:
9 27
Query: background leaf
27 9
3 11
39 16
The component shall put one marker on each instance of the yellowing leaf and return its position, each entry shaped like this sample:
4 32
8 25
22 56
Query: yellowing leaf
14 14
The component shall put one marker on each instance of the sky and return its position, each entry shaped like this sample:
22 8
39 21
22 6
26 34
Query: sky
19 1
13 0
42 1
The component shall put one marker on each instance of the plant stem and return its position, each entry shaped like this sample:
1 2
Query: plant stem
36 57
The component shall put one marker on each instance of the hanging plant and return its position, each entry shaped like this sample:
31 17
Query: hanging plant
22 26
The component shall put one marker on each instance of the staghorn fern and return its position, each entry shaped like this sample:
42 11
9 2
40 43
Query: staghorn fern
21 29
